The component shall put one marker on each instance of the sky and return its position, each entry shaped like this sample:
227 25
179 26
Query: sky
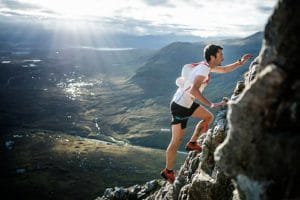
205 18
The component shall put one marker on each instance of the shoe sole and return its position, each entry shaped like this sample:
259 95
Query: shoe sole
164 176
188 149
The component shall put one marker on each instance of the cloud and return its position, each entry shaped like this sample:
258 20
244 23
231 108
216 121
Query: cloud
13 4
264 8
137 27
158 3
194 17
194 3
20 9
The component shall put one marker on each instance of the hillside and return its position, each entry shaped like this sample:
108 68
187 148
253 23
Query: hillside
40 164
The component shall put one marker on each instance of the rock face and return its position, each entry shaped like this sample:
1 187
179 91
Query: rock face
261 152
259 158
252 150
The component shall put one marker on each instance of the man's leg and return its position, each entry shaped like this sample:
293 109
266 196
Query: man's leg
177 136
202 126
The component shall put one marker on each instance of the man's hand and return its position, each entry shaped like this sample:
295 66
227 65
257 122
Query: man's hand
225 99
245 58
219 104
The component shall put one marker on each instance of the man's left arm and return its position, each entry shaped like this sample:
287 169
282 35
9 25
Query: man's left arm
232 66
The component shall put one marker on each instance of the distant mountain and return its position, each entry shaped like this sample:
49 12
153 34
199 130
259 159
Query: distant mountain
45 36
255 38
157 76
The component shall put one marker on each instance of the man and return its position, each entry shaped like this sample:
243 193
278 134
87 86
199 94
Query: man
184 103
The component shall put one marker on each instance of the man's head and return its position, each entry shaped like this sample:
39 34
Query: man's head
213 53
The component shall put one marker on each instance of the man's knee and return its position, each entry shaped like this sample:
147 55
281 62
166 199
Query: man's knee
209 119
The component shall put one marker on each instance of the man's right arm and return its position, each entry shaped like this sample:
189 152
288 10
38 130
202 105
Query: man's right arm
194 91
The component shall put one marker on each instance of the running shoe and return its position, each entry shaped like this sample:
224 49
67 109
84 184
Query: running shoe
193 146
169 175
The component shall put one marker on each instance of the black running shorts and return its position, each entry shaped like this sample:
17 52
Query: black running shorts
181 114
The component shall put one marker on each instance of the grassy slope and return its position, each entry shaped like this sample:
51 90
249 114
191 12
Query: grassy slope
60 166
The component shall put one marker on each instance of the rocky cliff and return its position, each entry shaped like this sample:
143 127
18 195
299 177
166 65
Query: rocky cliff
252 150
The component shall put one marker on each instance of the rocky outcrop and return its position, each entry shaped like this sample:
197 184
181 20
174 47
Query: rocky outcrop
252 151
261 151
200 176
136 192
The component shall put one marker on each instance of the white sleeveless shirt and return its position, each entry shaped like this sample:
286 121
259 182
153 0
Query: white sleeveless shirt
188 74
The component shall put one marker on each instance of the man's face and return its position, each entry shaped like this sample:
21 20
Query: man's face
219 57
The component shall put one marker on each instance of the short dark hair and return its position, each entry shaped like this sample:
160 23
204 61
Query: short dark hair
211 50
